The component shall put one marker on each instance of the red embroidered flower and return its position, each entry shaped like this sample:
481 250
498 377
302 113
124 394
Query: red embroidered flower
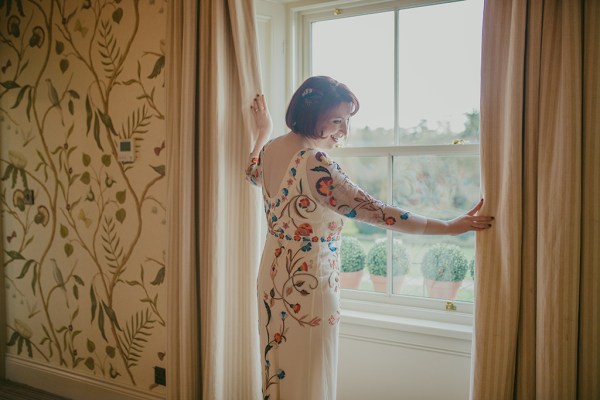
278 252
304 202
277 336
304 266
315 239
304 230
390 221
296 238
296 308
332 201
324 186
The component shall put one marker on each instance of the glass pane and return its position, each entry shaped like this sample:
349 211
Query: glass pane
361 247
439 73
438 187
359 51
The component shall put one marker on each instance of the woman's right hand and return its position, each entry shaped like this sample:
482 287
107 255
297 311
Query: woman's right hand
263 124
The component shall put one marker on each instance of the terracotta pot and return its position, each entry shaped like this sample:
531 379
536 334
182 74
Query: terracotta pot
380 283
351 280
442 290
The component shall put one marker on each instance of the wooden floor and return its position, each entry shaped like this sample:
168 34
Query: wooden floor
16 391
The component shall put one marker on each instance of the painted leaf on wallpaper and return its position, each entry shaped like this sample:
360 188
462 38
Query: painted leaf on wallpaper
21 95
8 4
160 169
117 15
158 66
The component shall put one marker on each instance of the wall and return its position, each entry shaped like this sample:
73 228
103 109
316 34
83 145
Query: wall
84 264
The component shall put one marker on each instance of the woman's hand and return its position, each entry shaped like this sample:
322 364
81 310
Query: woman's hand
470 221
465 223
263 124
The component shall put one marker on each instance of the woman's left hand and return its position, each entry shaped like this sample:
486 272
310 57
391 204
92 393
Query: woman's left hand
470 221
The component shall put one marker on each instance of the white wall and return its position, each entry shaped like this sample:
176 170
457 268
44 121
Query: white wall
378 360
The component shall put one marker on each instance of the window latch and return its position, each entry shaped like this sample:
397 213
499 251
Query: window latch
450 306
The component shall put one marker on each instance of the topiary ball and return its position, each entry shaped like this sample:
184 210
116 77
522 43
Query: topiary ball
352 255
445 262
377 258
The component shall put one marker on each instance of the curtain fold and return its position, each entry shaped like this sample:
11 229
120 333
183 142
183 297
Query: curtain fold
183 357
228 207
537 312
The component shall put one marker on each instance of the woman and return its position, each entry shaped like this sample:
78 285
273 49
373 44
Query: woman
306 198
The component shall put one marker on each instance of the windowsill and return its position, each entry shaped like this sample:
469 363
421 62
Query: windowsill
418 326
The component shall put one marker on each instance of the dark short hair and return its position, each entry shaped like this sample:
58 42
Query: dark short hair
316 96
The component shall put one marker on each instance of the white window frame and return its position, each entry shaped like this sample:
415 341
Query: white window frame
418 314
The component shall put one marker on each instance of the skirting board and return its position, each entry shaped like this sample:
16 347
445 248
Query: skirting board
68 384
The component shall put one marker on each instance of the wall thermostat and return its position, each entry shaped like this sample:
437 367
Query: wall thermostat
126 150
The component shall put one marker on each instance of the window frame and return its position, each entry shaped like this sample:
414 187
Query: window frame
379 306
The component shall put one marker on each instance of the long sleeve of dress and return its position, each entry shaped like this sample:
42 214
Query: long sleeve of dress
254 171
332 188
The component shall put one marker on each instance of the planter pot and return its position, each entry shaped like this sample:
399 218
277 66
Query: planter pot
380 283
351 280
442 290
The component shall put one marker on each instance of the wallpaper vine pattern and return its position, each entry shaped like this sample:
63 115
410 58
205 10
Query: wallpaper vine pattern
84 265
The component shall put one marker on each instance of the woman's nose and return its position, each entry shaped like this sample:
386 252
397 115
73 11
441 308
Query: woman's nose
344 127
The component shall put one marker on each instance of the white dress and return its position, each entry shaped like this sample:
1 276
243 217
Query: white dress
298 280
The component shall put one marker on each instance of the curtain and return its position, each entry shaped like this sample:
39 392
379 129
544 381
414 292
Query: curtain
228 206
214 75
183 357
537 315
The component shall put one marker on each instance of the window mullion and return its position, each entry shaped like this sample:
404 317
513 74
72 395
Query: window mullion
396 72
389 232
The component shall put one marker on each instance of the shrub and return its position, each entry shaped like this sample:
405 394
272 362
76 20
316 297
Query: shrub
445 262
377 258
352 255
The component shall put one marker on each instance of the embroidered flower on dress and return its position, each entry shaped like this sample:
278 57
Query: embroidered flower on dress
304 230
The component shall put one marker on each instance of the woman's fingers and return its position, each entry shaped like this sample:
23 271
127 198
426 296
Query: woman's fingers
477 207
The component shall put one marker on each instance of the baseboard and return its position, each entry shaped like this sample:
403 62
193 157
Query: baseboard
70 384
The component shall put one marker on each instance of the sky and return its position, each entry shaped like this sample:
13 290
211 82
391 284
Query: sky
438 70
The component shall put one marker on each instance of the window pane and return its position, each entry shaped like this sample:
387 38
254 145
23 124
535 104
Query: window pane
439 187
359 51
439 73
364 254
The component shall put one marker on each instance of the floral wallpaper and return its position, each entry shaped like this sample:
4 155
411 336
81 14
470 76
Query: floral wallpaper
84 263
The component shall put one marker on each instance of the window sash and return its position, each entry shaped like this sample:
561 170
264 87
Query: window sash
373 302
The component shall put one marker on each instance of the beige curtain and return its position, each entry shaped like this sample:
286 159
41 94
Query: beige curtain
228 206
537 317
213 76
183 357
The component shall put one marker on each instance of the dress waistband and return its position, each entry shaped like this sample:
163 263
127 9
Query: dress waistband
298 238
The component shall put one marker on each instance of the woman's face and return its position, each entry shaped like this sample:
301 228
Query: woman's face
333 125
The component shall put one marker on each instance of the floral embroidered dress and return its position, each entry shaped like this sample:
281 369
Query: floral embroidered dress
298 280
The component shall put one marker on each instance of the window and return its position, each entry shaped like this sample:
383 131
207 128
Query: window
414 142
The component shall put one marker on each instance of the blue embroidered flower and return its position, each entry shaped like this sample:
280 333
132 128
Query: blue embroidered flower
283 315
404 216
331 247
306 247
351 214
285 191
293 171
280 373
274 218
